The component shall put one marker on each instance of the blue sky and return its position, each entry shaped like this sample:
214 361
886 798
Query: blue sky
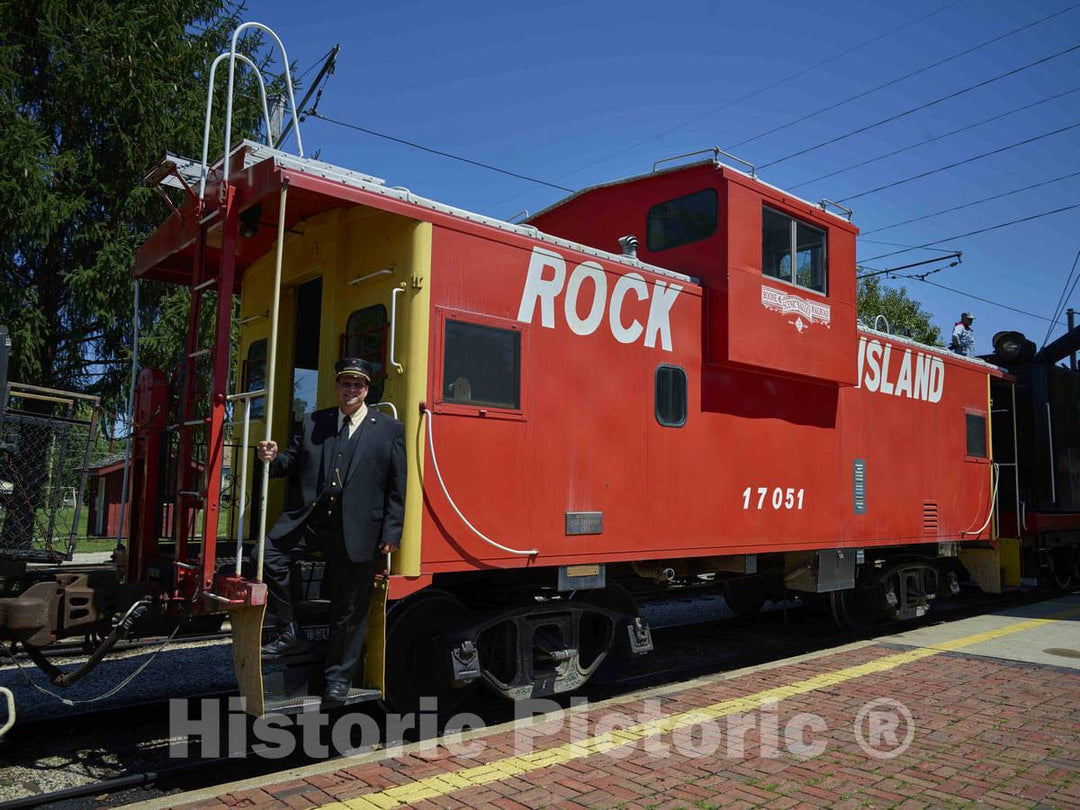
578 93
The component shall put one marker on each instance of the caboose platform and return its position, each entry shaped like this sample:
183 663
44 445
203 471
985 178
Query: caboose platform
981 710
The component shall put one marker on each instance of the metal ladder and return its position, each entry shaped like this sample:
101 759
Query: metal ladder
195 577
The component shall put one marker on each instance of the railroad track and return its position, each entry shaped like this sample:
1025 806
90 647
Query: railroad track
79 649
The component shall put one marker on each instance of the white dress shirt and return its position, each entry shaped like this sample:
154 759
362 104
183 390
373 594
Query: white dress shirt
354 419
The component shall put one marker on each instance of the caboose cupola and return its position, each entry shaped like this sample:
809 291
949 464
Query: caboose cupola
778 272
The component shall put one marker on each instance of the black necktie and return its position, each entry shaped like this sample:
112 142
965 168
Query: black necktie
341 441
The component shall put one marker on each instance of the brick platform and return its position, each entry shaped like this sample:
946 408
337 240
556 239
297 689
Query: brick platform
987 730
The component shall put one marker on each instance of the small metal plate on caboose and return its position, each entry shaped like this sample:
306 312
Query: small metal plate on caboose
584 523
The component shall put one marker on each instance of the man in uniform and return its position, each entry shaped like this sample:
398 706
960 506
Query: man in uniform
963 336
346 498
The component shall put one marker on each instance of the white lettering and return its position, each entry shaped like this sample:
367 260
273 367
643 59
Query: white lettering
921 389
937 379
920 376
903 382
631 281
873 374
659 312
542 290
537 288
886 386
588 324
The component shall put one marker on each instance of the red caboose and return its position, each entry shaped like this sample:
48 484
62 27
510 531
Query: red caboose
660 380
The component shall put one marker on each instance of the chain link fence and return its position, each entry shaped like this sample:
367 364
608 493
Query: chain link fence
48 440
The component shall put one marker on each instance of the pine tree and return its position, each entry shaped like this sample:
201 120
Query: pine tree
92 94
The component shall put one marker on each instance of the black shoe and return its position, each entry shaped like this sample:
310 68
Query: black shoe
290 641
335 694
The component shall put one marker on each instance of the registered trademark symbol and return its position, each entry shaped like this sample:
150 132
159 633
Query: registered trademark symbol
884 728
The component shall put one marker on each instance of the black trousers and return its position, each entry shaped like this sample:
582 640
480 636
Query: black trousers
347 584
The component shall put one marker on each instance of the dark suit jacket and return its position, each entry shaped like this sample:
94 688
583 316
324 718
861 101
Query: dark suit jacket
373 483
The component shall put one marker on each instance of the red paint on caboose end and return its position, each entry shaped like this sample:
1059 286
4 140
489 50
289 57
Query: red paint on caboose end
737 329
784 395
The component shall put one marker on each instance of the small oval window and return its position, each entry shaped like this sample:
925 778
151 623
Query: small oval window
670 396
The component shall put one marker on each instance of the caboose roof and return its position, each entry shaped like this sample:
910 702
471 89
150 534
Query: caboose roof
686 167
939 350
258 171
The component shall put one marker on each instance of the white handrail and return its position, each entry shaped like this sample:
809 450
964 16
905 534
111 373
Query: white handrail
271 363
993 501
228 103
241 514
390 405
209 109
245 397
532 552
393 326
386 271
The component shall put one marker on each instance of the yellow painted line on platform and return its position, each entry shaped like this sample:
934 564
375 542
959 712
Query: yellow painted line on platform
453 781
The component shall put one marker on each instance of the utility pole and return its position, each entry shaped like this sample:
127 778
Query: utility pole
326 69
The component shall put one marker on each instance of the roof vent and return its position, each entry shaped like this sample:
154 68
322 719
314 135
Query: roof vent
629 245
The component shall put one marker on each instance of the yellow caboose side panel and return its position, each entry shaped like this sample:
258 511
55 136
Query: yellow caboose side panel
417 301
362 255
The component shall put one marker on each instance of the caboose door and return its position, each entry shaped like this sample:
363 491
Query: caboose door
383 309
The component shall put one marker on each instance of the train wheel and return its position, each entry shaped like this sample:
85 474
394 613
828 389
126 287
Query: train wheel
612 597
854 608
1063 565
746 597
417 651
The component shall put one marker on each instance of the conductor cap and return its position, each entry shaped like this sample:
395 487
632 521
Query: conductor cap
353 367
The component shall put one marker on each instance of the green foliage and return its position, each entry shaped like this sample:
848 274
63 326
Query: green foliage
905 315
92 94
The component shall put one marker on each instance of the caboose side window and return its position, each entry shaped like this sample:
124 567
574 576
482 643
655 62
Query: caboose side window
365 337
976 435
793 251
682 220
481 366
670 396
254 374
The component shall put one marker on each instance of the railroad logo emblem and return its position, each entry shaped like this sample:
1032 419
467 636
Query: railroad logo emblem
590 275
807 312
917 375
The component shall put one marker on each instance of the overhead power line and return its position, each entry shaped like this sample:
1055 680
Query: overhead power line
903 245
944 135
919 107
990 301
971 159
956 254
1066 292
973 233
965 205
899 79
439 152
760 90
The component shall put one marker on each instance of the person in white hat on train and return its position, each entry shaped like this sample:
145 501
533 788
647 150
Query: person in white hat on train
963 336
